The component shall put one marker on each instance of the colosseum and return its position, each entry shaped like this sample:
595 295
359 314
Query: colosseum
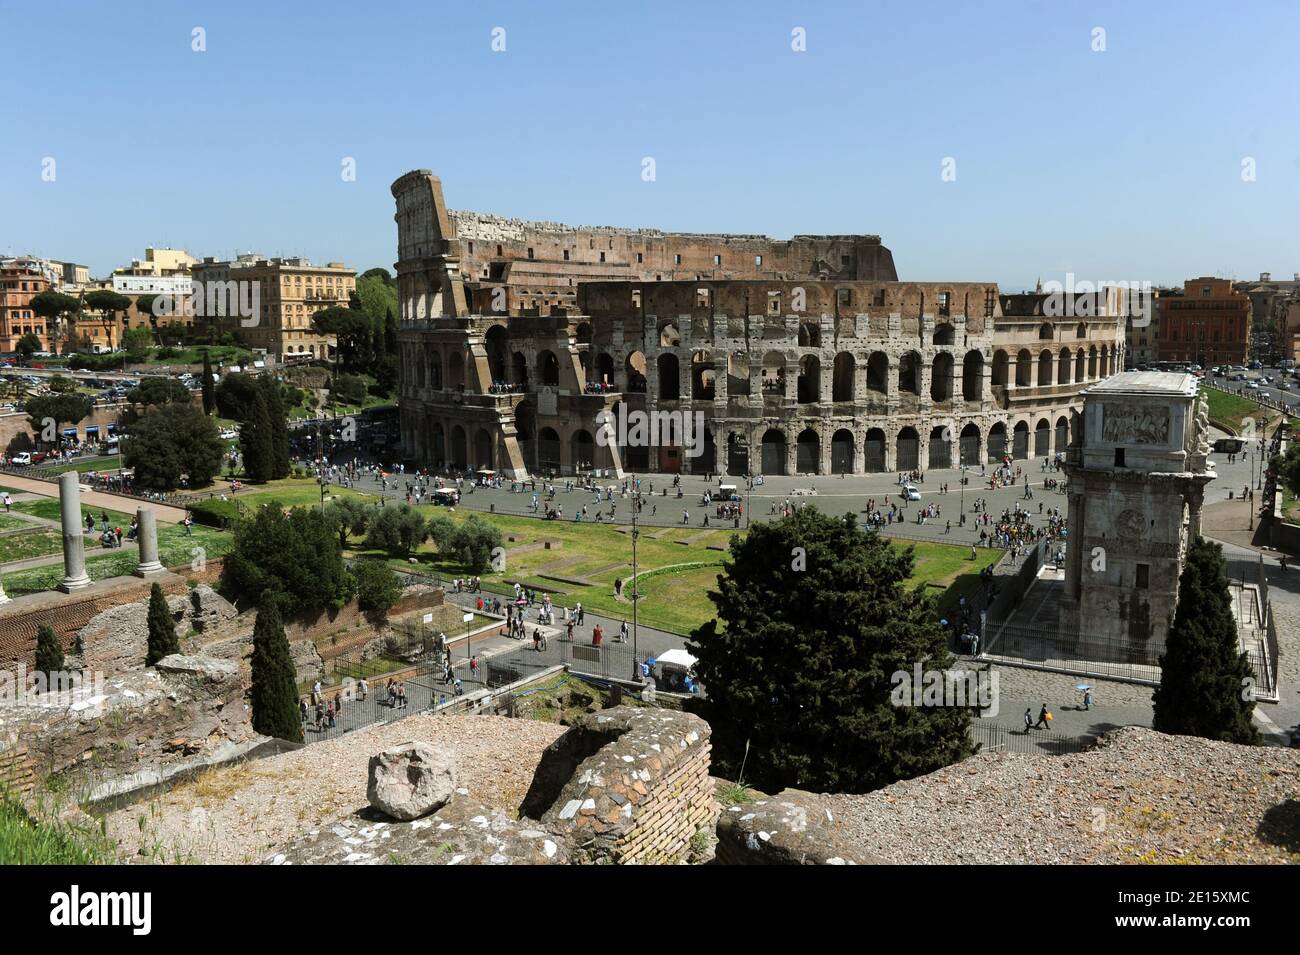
524 345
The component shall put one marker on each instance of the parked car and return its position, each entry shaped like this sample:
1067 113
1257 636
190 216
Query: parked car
910 492
21 459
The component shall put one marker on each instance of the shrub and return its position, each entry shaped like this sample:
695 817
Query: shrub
378 587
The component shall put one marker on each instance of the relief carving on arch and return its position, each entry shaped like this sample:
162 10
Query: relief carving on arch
1134 424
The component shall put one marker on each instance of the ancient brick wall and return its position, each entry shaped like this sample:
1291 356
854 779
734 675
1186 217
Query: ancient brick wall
627 785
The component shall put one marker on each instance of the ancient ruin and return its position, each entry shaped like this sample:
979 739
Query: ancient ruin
800 357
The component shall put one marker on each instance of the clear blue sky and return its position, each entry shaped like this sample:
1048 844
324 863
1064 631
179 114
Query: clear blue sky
1123 164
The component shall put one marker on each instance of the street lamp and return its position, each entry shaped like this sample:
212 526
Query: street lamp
636 506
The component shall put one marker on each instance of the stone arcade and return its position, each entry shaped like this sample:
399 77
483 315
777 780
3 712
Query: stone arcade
806 356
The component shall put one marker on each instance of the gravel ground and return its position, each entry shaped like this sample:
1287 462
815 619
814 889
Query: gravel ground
238 814
1140 797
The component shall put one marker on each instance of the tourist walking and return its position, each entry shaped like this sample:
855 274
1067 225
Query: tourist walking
1044 718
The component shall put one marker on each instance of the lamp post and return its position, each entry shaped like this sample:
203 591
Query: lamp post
636 506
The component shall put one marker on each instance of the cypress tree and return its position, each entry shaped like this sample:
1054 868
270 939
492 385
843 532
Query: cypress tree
162 628
209 395
278 417
274 691
256 442
1205 679
49 650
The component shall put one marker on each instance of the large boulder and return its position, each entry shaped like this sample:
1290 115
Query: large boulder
410 780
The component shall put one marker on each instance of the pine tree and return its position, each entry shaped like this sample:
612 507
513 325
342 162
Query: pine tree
256 442
209 395
49 650
162 628
274 692
1205 679
816 621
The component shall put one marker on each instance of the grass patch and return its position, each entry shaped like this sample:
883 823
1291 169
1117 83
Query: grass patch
734 794
37 542
1233 410
25 840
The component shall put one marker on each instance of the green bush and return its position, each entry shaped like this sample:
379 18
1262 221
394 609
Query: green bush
378 587
215 512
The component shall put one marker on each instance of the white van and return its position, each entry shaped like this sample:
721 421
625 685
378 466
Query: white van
910 492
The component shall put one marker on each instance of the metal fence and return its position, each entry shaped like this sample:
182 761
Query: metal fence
996 739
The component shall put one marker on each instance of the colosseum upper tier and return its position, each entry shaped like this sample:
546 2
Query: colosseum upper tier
772 357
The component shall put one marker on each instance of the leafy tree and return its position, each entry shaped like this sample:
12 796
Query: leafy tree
46 410
351 329
107 301
349 389
442 531
209 397
474 541
274 692
49 651
170 442
137 342
296 555
348 515
808 684
54 305
396 530
162 628
235 396
378 586
29 345
158 391
61 384
1205 679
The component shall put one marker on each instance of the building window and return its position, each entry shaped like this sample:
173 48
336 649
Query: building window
530 253
566 255
677 259
844 296
990 299
1143 576
758 260
1119 457
774 303
602 256
499 253
639 258
717 260
945 303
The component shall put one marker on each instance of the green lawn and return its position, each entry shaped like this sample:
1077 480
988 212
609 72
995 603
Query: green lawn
108 463
37 542
290 492
1233 410
675 599
48 508
28 841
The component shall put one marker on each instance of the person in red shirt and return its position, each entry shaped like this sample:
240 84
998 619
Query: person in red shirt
597 635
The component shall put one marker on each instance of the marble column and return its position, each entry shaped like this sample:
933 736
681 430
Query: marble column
74 551
146 536
4 597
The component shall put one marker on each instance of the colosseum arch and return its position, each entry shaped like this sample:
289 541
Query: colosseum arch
909 373
519 369
941 377
972 376
456 371
497 345
808 452
548 450
1045 332
940 454
1042 438
945 334
482 449
809 385
878 372
842 448
669 336
583 333
873 450
703 376
1000 363
1045 367
970 445
810 334
548 368
773 373
773 460
1020 440
1092 362
1080 365
635 367
842 377
1024 369
438 445
1062 434
670 385
997 442
1063 362
907 450
582 449
605 369
435 370
457 456
738 373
